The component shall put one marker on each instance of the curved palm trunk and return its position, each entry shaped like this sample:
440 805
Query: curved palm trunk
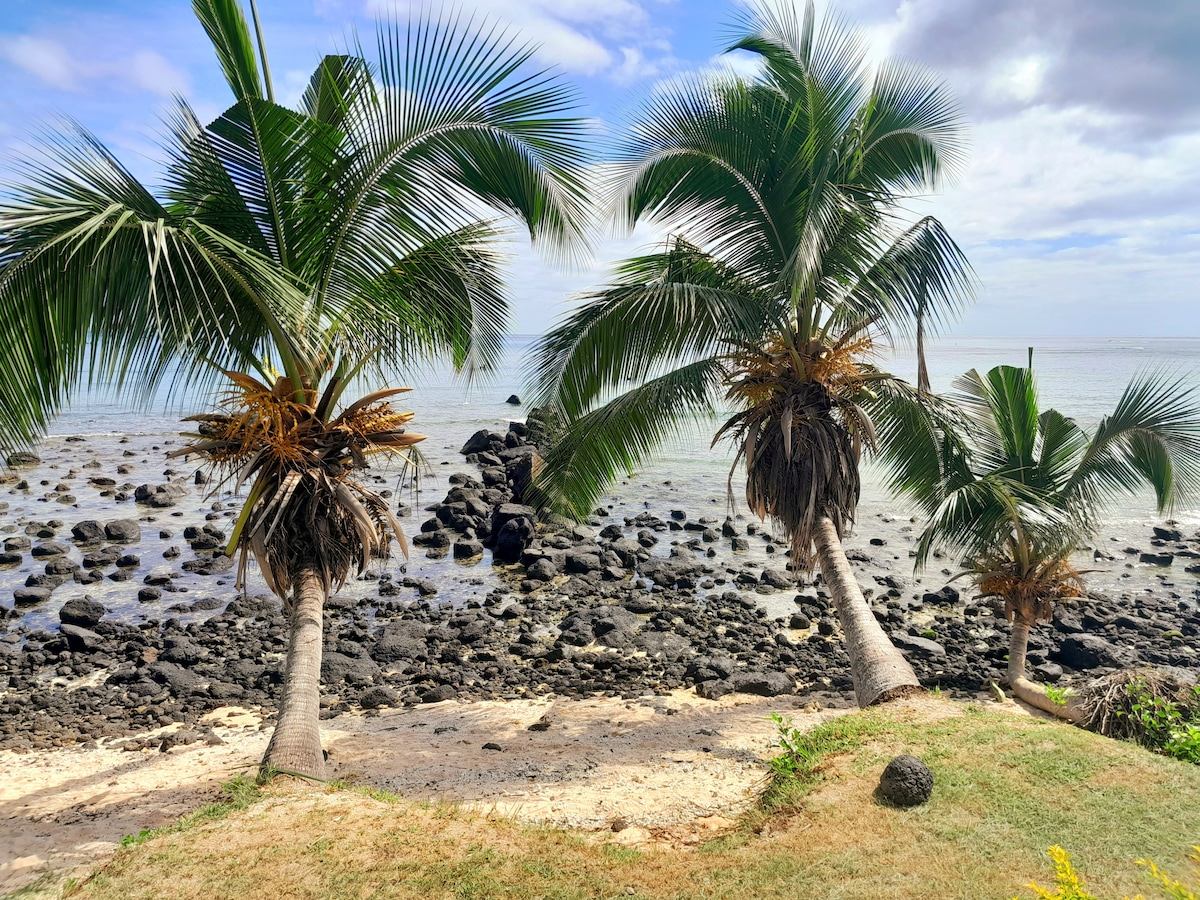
1026 690
295 745
879 671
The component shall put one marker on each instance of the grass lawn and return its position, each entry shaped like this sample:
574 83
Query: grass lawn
1007 787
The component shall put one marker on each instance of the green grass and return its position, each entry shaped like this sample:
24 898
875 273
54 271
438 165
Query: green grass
237 794
1007 787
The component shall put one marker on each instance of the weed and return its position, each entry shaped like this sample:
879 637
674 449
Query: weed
1069 886
1058 696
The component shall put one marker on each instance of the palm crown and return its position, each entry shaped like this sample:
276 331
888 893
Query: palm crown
353 223
315 246
788 258
1014 491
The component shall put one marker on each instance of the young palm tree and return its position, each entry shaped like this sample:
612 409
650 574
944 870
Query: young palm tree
1014 491
312 247
789 261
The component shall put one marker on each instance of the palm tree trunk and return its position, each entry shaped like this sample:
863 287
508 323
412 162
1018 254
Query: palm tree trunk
922 369
1026 690
295 746
879 671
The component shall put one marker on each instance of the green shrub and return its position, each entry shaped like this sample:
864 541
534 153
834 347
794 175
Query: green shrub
1170 726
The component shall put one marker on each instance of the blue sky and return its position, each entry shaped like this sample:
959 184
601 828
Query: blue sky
1080 209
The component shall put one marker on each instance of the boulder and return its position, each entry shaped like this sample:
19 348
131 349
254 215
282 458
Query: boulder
180 681
182 652
906 781
512 538
30 596
467 549
123 531
513 399
612 626
713 689
159 496
478 442
401 641
81 640
22 459
50 548
354 670
1090 651
921 647
216 564
82 611
541 570
439 693
377 697
764 684
777 579
88 531
580 561
947 596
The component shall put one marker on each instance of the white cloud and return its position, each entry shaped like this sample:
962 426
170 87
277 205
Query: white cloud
46 59
76 69
150 72
583 37
634 67
1019 79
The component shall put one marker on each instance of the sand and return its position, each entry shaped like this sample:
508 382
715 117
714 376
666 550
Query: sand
670 767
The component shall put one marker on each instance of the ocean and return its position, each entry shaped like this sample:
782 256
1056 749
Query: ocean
1082 377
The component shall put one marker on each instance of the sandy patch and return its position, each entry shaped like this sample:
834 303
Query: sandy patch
645 764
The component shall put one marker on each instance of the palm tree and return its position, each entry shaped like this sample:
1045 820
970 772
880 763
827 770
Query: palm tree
298 251
789 260
1014 491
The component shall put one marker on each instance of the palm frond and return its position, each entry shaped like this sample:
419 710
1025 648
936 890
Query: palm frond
618 437
225 24
680 304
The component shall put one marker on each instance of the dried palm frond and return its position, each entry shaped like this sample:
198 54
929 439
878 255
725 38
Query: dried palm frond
1029 594
303 506
1110 703
800 433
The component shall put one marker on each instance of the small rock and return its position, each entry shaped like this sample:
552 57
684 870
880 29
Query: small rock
377 697
438 694
492 745
21 459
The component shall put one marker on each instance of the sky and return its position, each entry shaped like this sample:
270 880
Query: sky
1079 208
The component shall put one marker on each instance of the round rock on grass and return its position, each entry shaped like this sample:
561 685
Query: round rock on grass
906 782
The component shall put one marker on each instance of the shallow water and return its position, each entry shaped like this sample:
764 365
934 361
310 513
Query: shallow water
1082 377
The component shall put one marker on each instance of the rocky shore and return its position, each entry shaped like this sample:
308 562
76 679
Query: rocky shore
106 637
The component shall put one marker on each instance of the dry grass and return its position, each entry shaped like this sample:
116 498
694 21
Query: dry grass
1007 788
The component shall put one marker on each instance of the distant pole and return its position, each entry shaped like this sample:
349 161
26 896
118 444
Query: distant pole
1030 366
262 51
